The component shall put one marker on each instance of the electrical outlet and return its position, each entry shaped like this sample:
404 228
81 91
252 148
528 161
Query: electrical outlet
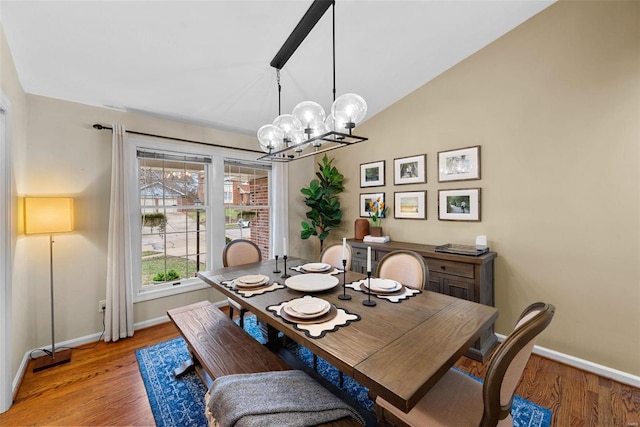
102 306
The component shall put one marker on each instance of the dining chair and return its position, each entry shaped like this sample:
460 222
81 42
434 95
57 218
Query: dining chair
460 400
406 267
332 255
239 252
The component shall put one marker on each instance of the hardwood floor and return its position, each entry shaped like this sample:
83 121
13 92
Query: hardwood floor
102 386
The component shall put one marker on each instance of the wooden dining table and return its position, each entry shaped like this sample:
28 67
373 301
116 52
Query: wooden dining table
397 350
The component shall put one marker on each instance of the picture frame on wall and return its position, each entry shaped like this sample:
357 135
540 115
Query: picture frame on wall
459 204
410 205
372 174
462 164
365 198
410 170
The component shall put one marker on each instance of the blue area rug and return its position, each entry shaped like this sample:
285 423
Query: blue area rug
180 402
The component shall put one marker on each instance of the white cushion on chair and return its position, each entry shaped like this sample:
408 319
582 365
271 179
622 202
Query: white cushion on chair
455 400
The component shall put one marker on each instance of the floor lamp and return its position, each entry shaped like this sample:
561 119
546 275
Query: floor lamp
49 215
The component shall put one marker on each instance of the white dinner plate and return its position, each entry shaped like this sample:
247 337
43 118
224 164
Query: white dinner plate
316 267
307 307
312 282
251 281
383 285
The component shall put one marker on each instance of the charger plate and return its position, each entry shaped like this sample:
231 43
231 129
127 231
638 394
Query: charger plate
312 282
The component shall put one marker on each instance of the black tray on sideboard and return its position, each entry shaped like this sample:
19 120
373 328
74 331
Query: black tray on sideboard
470 250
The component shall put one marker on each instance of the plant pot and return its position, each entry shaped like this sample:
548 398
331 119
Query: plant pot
361 228
375 231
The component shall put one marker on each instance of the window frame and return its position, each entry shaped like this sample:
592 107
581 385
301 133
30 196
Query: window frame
214 210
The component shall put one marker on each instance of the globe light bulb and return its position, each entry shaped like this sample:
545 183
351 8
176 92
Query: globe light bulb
310 115
288 124
270 138
349 109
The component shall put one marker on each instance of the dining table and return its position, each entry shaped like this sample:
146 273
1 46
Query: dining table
396 347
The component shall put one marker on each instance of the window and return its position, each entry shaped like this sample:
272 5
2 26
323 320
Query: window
173 217
247 209
181 217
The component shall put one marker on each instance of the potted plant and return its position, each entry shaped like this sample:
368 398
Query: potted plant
377 211
322 198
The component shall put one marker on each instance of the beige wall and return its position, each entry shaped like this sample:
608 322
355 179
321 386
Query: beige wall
22 321
555 105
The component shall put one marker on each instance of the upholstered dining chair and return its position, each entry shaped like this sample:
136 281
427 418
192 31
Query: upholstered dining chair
406 267
459 400
239 252
332 255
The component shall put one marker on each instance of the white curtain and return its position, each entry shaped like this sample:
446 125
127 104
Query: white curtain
280 203
119 315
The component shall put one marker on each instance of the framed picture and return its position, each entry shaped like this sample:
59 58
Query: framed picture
459 205
410 205
372 174
410 170
364 202
459 165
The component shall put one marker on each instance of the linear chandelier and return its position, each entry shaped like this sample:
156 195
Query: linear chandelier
308 130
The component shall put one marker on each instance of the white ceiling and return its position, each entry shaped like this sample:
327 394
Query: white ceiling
207 62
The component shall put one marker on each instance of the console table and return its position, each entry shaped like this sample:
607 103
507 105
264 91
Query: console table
461 276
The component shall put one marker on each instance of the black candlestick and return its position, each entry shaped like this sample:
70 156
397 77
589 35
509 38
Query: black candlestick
344 295
285 275
368 301
276 270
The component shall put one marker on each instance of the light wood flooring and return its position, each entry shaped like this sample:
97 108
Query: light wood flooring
103 386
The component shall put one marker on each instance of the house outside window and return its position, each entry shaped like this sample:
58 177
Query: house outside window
172 208
248 210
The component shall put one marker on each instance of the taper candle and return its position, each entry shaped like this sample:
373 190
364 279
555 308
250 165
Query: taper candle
344 248
284 246
368 258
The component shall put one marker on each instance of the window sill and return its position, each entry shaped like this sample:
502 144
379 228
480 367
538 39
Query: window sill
151 294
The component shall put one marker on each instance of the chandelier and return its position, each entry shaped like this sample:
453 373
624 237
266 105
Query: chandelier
309 130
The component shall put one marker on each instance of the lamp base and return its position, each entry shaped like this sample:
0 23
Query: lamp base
48 361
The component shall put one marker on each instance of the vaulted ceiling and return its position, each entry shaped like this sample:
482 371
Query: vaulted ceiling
207 62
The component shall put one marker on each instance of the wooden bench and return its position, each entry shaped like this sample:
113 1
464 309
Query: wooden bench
220 347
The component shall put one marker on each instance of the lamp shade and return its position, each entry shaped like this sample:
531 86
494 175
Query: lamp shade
44 215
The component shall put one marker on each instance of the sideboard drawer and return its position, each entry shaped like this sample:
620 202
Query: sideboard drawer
451 267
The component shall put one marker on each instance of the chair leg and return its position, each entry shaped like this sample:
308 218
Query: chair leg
242 312
230 312
340 379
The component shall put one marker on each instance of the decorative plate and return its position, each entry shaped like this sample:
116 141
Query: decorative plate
312 282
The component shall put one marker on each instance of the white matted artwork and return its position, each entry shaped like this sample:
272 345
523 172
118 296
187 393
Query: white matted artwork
459 204
367 199
459 165
410 170
410 205
372 174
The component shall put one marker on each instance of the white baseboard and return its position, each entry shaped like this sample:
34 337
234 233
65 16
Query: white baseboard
585 365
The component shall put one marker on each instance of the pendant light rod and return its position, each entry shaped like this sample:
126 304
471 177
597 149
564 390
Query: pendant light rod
300 32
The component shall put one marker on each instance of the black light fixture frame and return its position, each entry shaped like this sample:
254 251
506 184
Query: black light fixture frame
297 36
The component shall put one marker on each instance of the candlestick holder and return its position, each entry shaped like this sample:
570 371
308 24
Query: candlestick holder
368 301
344 295
277 270
285 275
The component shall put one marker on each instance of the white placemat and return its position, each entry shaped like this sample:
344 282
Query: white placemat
318 330
407 293
299 269
249 292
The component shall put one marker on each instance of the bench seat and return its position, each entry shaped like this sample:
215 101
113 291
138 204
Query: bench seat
219 347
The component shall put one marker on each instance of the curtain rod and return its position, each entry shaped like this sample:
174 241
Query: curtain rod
103 127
